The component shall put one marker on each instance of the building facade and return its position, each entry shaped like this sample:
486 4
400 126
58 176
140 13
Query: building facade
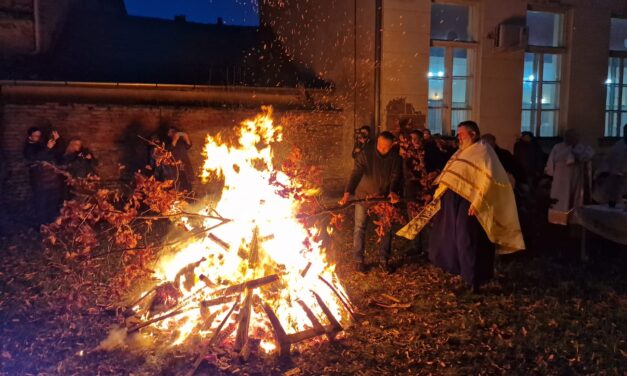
510 65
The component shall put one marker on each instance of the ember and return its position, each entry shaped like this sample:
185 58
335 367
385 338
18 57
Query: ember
257 272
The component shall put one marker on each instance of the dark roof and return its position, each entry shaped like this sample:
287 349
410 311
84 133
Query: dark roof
114 47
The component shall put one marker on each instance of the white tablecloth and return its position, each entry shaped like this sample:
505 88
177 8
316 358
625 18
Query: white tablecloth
604 221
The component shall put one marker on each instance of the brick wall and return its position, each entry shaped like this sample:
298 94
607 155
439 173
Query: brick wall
110 132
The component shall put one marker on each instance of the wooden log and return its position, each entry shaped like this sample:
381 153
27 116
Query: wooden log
218 301
337 327
212 340
307 334
304 272
224 245
346 304
154 320
252 284
279 333
241 339
314 320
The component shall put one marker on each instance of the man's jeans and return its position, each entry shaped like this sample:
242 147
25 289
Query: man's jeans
359 236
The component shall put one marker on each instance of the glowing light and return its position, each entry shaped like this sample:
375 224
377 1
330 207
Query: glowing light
531 77
440 74
608 81
261 217
430 74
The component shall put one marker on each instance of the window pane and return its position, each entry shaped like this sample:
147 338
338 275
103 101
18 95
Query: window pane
548 123
450 22
550 96
545 28
618 34
457 116
551 68
611 99
436 92
528 121
461 96
624 99
611 122
531 67
436 62
530 93
435 120
613 71
624 72
460 62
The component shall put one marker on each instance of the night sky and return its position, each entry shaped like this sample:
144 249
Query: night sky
234 12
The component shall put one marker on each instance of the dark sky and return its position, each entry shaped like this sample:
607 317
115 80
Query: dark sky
234 12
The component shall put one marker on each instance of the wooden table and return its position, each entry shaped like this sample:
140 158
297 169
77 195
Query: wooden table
609 223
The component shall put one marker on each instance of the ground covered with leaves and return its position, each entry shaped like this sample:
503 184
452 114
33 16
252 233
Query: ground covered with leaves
546 312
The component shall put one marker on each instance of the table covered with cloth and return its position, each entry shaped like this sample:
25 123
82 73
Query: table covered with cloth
609 223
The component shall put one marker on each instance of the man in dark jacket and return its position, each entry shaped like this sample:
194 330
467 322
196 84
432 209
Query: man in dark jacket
378 172
47 185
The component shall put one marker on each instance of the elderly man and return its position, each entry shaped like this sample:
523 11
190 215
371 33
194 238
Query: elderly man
378 172
473 211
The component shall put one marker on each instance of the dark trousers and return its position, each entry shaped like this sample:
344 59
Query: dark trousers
359 236
46 202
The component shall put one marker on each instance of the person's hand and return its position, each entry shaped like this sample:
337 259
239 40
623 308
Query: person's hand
88 156
344 199
55 135
394 198
175 137
472 212
51 143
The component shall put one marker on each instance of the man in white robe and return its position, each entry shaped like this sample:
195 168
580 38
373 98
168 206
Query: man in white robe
611 176
569 165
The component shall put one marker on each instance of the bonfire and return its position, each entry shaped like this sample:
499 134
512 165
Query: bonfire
252 273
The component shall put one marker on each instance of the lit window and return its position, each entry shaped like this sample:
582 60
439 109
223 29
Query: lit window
542 74
616 82
450 67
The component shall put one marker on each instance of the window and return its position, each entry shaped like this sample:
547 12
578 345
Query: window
450 67
542 73
616 84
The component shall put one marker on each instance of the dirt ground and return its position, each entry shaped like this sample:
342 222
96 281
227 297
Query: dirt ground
546 312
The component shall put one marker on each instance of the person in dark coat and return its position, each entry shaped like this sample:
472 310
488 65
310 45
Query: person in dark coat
530 156
362 137
511 165
378 172
178 143
46 183
77 160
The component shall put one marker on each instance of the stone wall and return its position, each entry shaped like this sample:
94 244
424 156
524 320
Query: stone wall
110 131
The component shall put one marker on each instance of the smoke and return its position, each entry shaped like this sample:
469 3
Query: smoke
116 339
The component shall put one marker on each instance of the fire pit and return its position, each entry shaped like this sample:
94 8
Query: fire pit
252 269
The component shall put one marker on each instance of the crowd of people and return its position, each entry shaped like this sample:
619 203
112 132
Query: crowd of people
51 161
466 198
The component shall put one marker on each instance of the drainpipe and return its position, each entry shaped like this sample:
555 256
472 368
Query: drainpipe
377 64
36 28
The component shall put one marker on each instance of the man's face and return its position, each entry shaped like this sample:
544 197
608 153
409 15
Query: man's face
426 135
384 145
35 136
526 138
76 146
464 137
415 140
363 135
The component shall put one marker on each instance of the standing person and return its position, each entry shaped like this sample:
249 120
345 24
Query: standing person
46 184
611 177
510 164
78 160
182 173
378 172
475 212
569 165
362 138
529 154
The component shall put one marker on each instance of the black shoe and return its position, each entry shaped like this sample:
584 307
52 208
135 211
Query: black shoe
386 267
361 267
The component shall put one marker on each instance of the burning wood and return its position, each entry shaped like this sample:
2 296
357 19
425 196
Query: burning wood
260 275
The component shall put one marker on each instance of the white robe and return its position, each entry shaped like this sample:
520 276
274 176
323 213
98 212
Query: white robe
567 165
611 176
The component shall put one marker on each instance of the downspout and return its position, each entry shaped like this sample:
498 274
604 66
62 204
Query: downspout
377 64
36 28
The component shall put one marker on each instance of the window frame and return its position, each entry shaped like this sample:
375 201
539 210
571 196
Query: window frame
449 47
622 83
540 51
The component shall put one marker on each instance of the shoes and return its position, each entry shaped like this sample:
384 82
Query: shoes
361 267
386 267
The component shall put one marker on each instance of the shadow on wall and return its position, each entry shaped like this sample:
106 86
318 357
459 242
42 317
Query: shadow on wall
134 149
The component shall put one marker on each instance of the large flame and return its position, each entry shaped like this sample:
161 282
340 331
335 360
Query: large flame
262 238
